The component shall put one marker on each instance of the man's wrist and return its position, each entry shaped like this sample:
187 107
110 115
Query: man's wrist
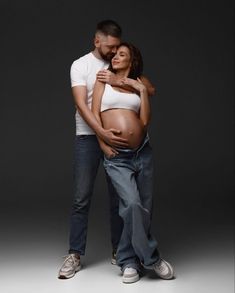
114 81
100 132
143 90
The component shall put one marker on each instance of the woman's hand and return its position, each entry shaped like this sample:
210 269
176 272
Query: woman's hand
108 151
136 84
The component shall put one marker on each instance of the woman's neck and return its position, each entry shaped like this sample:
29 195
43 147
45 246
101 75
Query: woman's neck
122 73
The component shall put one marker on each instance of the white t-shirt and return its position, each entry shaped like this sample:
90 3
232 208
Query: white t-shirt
83 73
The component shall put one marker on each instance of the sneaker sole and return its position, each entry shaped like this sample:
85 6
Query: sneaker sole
64 277
128 280
113 262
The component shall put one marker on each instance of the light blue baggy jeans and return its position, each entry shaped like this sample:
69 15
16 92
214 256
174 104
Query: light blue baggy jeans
131 173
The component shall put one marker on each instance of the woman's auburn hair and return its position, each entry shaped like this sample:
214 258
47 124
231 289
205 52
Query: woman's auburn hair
136 69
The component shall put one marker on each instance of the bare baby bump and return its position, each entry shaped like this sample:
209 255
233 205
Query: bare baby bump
128 122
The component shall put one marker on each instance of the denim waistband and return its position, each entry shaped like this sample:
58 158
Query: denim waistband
130 151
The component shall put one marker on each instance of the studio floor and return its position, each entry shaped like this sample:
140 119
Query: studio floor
30 262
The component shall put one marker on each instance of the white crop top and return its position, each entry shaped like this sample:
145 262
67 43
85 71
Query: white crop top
113 99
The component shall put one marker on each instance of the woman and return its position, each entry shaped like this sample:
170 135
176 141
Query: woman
130 169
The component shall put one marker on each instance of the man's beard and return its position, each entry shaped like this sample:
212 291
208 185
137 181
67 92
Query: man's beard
108 57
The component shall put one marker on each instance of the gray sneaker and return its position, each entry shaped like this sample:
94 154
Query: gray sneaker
130 275
70 266
163 269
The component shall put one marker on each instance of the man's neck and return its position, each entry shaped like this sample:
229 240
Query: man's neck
96 53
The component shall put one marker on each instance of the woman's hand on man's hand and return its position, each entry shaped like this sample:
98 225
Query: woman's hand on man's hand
136 84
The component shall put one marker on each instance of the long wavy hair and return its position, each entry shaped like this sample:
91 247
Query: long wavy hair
136 69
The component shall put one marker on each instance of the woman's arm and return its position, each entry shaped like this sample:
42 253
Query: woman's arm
145 104
145 110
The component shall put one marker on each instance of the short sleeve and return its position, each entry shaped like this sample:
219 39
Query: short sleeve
78 73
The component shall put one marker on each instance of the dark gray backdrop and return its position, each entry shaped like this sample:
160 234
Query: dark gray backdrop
187 48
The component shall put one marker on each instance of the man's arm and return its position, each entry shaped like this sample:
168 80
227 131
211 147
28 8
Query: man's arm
80 94
149 86
109 77
108 150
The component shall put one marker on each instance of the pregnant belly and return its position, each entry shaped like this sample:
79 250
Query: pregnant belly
128 122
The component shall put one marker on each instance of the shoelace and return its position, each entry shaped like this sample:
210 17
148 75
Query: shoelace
161 266
69 259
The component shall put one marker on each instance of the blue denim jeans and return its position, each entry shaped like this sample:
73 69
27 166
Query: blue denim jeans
87 159
131 172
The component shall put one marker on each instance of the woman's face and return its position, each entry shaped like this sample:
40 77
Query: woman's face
122 59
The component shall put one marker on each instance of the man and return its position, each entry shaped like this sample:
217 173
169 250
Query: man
87 151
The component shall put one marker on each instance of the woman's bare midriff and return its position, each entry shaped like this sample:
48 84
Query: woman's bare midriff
128 122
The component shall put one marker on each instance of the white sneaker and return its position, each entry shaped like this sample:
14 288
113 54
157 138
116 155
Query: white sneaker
70 266
163 269
130 275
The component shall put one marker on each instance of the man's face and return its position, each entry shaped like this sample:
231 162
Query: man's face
107 46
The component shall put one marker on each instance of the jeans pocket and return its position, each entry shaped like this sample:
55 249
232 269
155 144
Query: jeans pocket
107 158
111 158
107 162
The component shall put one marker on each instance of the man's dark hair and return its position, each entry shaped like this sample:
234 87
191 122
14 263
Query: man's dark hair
109 28
136 69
